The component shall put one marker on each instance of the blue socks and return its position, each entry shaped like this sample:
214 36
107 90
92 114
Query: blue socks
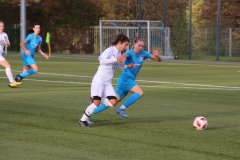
100 108
28 73
131 99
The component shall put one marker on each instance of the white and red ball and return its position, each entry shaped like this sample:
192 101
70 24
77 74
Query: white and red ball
200 123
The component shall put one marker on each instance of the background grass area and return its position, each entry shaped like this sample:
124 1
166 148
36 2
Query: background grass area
211 58
39 118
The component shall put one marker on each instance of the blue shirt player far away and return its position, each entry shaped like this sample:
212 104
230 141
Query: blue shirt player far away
30 45
33 42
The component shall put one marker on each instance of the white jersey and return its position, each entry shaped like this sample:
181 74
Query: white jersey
108 64
3 36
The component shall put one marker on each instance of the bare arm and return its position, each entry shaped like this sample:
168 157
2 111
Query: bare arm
22 45
6 43
41 52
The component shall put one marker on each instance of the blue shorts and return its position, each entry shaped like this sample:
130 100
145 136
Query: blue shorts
28 60
124 85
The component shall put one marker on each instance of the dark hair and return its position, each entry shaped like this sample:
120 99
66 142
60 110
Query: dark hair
136 40
30 29
120 37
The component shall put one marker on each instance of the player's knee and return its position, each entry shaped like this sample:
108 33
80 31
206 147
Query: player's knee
141 93
112 100
96 100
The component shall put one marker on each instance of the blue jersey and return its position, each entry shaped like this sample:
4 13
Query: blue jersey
32 43
136 59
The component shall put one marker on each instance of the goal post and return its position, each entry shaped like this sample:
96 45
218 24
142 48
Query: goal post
152 32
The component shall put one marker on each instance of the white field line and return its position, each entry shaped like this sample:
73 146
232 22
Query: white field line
146 62
201 86
209 88
189 84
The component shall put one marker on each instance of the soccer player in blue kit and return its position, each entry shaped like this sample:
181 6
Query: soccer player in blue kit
30 45
126 82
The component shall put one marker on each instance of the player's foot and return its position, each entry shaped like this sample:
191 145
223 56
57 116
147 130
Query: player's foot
83 123
13 84
89 121
18 78
18 83
122 112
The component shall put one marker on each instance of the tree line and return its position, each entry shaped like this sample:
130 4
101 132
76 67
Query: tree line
68 21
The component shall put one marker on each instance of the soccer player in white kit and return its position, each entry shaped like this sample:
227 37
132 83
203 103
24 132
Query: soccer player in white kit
4 41
101 86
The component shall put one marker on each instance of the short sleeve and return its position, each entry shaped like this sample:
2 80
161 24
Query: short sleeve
147 55
28 38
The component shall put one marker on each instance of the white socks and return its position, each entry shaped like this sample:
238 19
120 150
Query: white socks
9 74
122 107
88 111
106 102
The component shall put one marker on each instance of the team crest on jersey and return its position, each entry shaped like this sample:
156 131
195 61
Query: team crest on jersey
141 59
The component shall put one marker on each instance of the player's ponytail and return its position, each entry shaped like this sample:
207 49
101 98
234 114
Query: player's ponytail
120 38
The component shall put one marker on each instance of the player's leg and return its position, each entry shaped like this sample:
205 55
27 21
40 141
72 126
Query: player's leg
96 94
85 119
30 67
109 101
6 65
137 93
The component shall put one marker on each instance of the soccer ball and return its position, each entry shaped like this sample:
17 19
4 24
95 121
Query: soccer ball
200 123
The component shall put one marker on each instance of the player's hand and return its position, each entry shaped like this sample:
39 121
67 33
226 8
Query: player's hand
5 42
155 51
46 56
121 59
27 52
131 65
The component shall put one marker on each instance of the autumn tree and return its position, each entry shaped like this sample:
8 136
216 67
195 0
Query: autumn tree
67 21
230 16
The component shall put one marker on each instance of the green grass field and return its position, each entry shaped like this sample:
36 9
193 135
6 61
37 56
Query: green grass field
38 120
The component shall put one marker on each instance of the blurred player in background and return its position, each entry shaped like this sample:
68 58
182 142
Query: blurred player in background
102 81
30 45
126 82
4 41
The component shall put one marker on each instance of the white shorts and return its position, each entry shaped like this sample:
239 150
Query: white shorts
102 90
1 57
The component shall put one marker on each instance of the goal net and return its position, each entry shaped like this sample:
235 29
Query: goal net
152 32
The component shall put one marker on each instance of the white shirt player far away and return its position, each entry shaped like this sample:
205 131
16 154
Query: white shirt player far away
3 36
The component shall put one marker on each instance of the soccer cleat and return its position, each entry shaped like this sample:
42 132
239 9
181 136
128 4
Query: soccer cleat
13 84
122 112
18 78
89 121
83 123
18 83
